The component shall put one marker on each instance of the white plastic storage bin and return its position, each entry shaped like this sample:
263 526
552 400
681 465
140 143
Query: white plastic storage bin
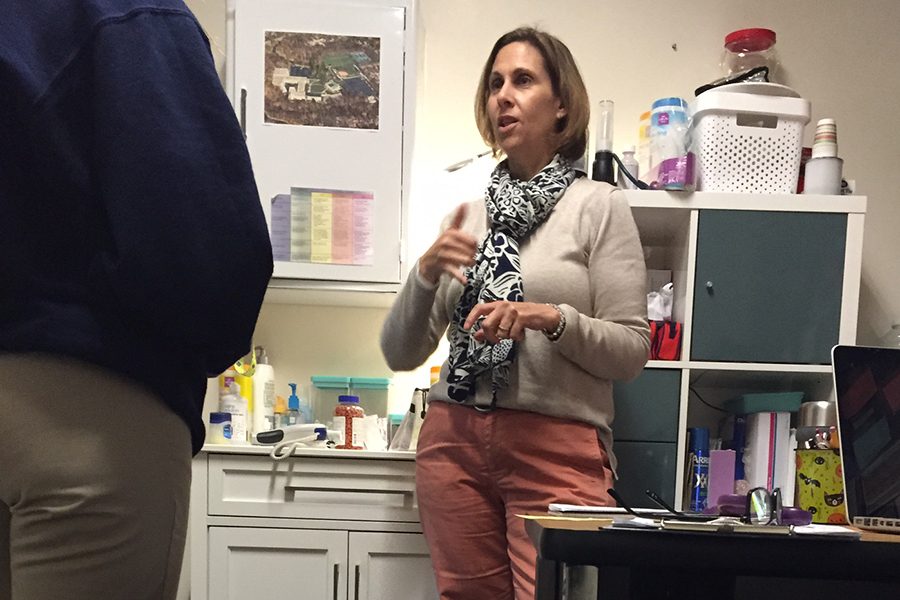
748 137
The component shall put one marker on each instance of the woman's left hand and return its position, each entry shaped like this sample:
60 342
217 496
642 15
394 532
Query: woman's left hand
509 320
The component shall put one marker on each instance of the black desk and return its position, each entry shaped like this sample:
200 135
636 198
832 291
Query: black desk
697 566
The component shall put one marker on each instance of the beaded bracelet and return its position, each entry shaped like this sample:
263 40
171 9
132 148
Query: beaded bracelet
556 333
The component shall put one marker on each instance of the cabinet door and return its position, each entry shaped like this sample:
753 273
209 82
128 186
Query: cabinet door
274 564
768 286
647 407
325 97
390 565
645 465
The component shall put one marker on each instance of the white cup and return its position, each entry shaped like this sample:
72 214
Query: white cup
822 175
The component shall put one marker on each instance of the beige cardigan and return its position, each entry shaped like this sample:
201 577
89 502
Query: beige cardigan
587 258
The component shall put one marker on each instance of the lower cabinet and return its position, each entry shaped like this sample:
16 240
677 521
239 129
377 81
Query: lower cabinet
268 563
390 565
320 525
248 562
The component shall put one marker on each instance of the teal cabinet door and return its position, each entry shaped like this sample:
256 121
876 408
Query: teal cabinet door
768 286
647 407
642 466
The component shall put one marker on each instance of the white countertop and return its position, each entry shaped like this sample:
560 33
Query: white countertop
317 452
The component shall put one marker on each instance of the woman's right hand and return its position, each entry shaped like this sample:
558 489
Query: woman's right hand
450 253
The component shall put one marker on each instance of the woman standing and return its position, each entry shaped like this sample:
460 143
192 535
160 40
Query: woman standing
542 286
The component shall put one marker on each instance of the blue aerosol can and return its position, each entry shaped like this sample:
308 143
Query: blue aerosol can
699 468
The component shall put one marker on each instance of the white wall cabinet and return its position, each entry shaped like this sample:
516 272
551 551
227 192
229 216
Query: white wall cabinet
323 524
325 90
765 285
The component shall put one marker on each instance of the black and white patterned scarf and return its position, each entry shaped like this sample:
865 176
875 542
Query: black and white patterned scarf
515 208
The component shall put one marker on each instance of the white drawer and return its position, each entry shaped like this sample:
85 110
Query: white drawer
313 488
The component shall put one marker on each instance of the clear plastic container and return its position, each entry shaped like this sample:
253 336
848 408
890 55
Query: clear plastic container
322 393
748 48
348 418
373 393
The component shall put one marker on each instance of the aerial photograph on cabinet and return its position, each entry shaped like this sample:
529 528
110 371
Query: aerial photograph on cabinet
321 80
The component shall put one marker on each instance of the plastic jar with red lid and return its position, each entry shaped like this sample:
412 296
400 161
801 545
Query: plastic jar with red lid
749 48
348 417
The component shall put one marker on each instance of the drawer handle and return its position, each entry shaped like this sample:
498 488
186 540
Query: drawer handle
356 584
337 569
342 490
291 490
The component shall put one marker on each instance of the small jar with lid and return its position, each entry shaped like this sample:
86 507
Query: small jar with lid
219 428
348 418
746 49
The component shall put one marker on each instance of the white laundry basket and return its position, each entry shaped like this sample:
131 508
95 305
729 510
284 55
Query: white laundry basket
748 137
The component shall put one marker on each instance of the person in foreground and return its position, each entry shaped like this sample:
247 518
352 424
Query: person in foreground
133 263
542 284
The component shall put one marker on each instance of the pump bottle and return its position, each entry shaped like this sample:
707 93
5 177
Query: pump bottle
294 416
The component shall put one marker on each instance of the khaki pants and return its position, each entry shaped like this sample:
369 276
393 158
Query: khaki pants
94 484
476 471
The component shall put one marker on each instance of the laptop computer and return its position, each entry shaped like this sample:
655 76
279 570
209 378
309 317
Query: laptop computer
867 390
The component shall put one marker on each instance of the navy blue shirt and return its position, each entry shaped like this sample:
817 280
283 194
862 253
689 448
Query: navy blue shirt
132 233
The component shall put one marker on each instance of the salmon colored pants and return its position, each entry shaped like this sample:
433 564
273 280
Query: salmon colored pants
475 471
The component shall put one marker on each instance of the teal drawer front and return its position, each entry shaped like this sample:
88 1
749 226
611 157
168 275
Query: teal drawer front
642 466
647 407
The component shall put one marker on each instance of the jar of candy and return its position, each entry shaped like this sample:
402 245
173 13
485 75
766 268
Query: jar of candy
348 418
746 49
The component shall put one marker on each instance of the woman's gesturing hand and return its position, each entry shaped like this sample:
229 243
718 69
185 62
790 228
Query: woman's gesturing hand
450 253
502 320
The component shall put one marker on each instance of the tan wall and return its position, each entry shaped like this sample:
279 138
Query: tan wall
840 54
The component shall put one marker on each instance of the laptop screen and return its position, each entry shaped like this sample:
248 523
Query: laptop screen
867 388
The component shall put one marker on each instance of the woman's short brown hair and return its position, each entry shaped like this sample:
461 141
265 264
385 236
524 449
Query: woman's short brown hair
567 86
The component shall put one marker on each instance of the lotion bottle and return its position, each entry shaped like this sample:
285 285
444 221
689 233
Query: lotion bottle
263 393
